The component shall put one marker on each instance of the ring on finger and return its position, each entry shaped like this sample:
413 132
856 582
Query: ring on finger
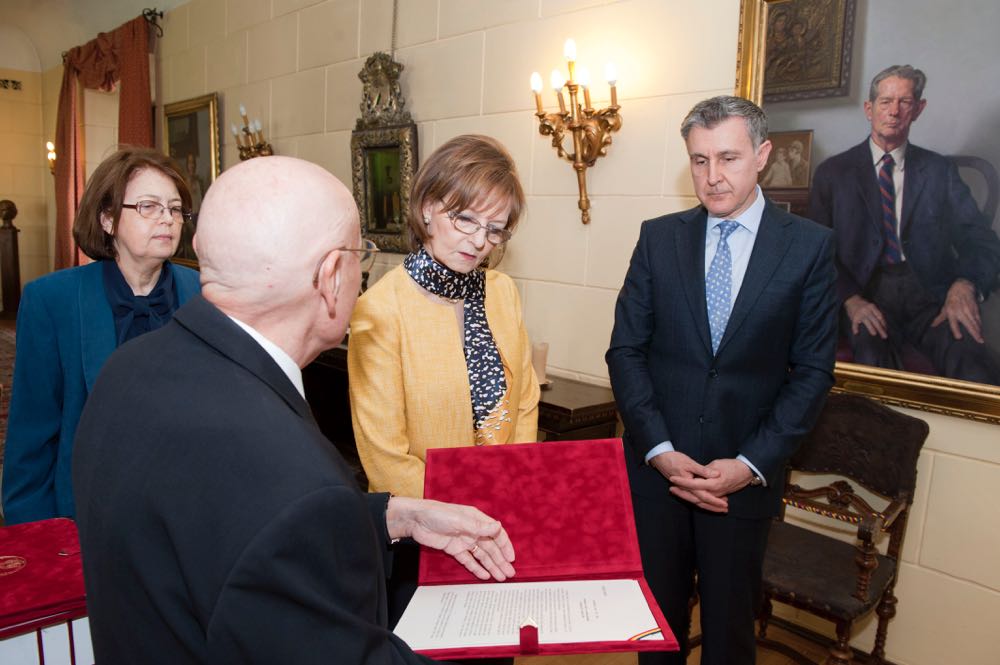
474 549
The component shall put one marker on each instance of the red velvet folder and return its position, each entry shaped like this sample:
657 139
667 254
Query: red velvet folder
568 510
41 576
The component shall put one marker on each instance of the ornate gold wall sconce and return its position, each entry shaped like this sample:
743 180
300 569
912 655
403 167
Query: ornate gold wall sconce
589 128
250 138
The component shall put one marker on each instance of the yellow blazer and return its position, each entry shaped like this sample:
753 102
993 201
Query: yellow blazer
409 383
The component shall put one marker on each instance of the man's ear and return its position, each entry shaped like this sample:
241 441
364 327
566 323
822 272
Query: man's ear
763 152
328 281
921 105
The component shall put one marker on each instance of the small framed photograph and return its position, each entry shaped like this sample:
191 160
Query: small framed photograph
191 138
789 165
384 160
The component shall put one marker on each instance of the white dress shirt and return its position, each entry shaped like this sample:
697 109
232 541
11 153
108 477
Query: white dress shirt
284 360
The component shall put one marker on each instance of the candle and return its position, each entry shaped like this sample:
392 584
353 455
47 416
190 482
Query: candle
243 114
611 74
536 88
557 84
585 84
539 356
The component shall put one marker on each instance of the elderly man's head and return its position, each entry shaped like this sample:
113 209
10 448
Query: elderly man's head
266 237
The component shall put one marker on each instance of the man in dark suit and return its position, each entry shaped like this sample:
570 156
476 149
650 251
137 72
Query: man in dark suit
721 356
913 250
217 524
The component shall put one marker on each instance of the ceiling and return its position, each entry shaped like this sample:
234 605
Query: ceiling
54 26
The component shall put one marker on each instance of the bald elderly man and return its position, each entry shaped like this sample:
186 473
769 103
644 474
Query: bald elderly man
217 524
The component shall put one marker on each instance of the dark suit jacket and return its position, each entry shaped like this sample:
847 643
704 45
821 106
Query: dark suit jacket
763 389
218 525
944 235
65 332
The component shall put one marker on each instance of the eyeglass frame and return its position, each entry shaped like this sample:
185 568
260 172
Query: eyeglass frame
506 234
373 249
185 214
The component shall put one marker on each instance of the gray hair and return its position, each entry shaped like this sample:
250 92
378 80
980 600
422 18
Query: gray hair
710 112
907 72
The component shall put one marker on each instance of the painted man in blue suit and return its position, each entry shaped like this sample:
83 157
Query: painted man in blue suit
915 256
721 356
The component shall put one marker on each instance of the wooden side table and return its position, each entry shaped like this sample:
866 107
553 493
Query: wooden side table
572 410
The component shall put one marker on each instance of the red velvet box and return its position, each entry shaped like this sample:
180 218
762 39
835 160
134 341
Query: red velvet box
568 511
41 576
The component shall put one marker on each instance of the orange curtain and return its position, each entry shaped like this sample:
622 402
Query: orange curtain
121 55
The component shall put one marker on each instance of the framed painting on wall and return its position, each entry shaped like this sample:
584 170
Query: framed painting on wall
808 49
191 138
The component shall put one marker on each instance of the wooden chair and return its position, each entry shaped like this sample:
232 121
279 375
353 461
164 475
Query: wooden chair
862 443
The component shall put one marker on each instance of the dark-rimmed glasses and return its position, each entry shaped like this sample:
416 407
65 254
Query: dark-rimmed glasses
154 210
368 250
497 235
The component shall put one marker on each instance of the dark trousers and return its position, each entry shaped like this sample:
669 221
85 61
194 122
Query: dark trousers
677 541
909 310
403 584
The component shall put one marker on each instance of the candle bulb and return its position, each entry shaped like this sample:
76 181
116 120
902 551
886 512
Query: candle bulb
569 50
611 74
557 84
258 131
536 88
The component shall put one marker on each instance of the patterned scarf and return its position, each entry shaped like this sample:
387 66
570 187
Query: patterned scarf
486 378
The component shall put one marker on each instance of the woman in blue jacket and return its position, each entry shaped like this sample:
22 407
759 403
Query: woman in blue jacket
69 322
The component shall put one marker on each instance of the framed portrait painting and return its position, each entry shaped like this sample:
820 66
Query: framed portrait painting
191 138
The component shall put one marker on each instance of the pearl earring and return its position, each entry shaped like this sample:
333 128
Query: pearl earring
427 220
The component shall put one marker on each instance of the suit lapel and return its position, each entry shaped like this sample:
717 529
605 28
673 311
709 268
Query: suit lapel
97 323
216 329
867 183
768 250
914 183
690 244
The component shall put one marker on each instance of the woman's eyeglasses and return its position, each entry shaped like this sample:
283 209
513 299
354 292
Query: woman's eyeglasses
495 234
154 210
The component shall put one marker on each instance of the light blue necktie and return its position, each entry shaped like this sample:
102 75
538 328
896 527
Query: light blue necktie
719 284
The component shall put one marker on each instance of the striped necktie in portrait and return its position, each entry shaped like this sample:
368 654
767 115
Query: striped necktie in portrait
891 251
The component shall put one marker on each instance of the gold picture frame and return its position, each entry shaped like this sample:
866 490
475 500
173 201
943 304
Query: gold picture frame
191 138
383 162
809 50
950 397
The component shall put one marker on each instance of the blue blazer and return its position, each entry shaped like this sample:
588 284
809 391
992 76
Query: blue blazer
65 332
763 390
944 234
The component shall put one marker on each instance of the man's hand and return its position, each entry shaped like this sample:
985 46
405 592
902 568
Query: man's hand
679 469
960 307
865 313
725 477
476 540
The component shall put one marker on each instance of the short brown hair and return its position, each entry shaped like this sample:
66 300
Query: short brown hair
459 174
105 193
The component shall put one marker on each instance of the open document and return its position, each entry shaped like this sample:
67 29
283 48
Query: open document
479 615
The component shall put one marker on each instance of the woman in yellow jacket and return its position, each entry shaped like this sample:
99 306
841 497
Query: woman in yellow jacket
438 354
